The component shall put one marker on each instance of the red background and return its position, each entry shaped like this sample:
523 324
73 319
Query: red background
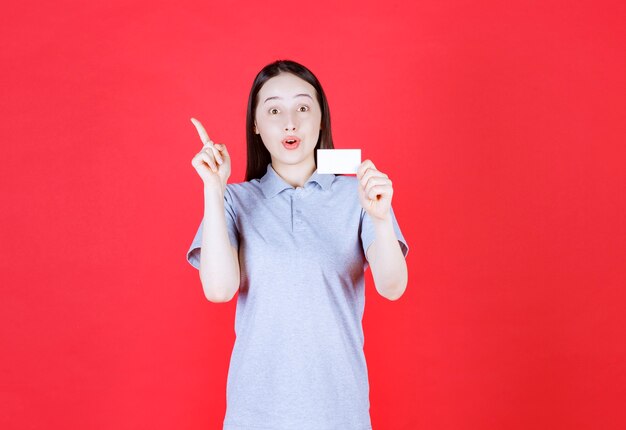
501 124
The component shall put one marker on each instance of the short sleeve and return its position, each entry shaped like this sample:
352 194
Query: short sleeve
193 254
368 234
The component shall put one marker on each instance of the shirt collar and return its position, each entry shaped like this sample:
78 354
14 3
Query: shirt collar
272 183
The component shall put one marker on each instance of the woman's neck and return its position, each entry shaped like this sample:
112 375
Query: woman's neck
295 175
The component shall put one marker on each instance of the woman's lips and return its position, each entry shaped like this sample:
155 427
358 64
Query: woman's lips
295 142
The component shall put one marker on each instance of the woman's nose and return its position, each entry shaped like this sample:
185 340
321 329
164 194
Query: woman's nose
290 125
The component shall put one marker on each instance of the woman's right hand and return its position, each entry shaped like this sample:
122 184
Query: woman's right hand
213 162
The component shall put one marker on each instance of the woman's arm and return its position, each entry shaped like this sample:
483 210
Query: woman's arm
219 260
384 255
386 261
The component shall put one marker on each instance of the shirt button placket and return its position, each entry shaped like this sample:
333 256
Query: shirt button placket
293 218
297 215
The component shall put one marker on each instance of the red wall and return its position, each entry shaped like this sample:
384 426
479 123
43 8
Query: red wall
501 124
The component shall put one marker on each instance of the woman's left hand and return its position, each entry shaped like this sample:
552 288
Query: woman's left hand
375 190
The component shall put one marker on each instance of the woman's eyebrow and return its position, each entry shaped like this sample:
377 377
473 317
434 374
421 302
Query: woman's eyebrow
297 95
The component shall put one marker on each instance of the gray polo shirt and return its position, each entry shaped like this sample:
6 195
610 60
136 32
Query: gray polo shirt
298 362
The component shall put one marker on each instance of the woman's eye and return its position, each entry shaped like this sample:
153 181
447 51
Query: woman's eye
303 108
273 111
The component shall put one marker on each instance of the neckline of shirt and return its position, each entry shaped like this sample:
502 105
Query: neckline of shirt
272 184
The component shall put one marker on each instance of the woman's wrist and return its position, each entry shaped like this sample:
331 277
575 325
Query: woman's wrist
212 192
386 221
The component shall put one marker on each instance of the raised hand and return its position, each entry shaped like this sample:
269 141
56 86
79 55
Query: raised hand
375 190
212 162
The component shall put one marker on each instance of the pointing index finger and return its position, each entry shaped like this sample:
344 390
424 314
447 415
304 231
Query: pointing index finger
202 132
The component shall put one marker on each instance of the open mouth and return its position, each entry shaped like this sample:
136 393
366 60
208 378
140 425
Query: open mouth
291 142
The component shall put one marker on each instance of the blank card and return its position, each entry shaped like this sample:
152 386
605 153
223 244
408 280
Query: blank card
338 161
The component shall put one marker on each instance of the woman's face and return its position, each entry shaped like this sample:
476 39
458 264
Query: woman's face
287 107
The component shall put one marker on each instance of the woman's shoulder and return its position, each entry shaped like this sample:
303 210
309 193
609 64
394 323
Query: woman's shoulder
244 190
344 182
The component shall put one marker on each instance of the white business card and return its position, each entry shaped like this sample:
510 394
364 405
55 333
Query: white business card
338 161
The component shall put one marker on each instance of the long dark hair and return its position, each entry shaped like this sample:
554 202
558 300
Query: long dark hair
258 155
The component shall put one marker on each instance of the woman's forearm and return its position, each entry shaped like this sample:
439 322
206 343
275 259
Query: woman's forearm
387 262
219 265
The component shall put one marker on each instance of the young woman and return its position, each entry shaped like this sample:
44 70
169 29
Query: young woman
295 244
